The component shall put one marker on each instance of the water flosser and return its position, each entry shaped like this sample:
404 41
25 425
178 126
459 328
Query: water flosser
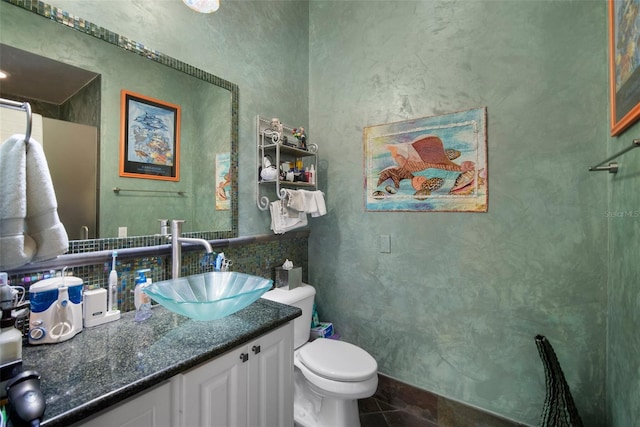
112 304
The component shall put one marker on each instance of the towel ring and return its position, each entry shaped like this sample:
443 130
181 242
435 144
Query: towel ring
22 106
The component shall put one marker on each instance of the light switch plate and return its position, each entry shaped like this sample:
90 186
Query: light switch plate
122 231
384 243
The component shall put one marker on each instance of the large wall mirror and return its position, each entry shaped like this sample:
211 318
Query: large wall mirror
206 195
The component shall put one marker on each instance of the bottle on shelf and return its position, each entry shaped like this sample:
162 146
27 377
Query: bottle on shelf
312 175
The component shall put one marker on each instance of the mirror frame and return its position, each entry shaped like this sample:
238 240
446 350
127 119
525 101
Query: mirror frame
83 26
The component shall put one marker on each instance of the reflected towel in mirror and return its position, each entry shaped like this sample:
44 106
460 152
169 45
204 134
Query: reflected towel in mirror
30 228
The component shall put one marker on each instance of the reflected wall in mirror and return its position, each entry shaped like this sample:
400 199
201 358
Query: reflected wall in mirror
209 124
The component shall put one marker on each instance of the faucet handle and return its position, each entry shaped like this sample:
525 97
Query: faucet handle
164 226
176 226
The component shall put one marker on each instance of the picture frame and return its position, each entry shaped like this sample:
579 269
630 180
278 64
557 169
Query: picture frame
150 138
427 164
624 66
223 181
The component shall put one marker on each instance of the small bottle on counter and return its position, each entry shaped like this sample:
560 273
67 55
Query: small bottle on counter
142 301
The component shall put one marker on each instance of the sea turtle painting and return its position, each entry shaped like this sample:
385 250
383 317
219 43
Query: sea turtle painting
429 164
425 152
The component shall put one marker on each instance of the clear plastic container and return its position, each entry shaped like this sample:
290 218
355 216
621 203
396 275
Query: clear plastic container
142 301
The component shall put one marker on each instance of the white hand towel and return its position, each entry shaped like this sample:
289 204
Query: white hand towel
16 248
281 222
295 200
314 203
320 203
43 223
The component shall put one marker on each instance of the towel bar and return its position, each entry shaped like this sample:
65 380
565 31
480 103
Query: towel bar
613 167
117 190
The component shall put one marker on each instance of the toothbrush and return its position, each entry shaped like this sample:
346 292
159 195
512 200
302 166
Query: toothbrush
113 285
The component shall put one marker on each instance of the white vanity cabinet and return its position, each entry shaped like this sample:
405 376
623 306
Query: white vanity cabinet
151 408
251 385
270 389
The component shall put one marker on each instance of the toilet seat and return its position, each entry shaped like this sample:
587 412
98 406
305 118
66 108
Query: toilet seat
337 360
335 389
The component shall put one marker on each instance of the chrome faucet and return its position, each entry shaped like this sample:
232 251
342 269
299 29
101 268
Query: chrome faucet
176 246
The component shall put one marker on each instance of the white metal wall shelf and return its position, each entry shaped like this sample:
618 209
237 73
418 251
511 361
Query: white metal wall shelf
282 147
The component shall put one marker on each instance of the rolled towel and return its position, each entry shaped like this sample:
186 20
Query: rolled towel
42 222
16 248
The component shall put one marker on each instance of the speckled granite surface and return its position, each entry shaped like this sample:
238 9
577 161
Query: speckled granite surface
106 364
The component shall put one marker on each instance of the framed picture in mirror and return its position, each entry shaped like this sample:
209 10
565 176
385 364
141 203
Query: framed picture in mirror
223 181
150 138
624 64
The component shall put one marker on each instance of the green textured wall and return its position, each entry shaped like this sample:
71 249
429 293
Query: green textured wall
456 304
623 362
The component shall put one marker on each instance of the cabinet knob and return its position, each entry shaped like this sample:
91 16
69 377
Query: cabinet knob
256 349
244 357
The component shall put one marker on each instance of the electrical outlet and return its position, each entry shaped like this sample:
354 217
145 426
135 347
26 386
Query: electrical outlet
384 243
122 231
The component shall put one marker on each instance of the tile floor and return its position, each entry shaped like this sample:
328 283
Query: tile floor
374 413
396 404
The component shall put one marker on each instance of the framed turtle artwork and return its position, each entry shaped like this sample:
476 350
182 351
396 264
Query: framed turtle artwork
429 164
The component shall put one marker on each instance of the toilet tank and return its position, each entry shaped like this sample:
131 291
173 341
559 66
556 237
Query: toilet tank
301 297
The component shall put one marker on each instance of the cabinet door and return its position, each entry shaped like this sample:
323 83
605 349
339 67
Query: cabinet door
214 394
148 409
270 382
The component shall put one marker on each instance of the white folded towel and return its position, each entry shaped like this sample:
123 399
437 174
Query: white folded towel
30 229
314 203
295 200
281 222
43 222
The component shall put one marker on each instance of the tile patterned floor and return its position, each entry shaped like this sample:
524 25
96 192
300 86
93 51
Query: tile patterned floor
396 404
374 413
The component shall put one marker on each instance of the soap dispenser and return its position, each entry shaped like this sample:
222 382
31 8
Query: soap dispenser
142 301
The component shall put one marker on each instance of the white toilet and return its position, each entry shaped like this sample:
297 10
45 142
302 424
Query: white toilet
330 376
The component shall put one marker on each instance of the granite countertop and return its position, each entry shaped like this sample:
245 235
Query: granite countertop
106 364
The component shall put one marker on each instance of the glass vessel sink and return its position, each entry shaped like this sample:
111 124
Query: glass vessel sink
208 296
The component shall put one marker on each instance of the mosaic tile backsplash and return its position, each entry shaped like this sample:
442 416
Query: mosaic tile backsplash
258 255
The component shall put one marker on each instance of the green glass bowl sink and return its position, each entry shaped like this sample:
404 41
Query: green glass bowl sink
208 296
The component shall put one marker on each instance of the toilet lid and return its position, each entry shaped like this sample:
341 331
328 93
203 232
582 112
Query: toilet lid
337 360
